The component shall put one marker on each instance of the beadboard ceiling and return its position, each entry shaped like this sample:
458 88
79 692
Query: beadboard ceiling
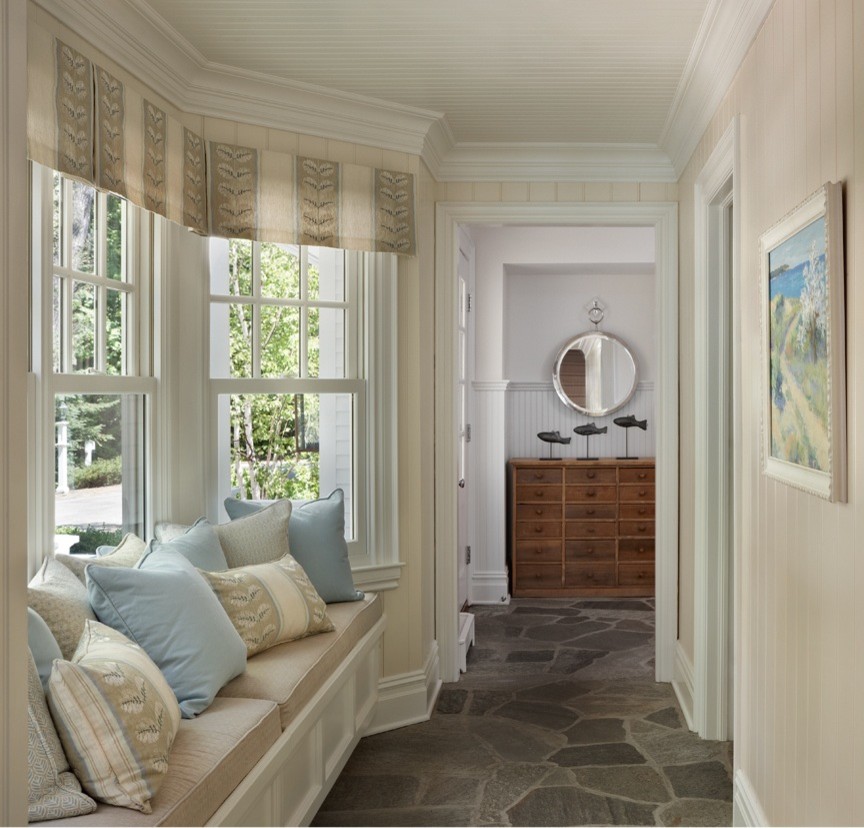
509 71
483 90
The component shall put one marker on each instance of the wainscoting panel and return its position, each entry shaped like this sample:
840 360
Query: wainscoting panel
534 407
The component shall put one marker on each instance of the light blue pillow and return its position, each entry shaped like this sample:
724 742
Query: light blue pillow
165 606
104 550
198 544
316 537
43 645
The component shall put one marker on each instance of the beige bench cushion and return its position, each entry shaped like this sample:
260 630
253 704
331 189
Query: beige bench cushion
290 674
210 757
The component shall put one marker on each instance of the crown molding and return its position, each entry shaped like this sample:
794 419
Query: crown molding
134 36
555 162
727 31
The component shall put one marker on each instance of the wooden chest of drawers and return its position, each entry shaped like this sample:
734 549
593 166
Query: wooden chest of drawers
581 527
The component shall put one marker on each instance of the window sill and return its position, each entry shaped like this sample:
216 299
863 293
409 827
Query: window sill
377 578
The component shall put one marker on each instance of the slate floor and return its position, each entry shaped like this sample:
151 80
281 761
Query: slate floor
557 722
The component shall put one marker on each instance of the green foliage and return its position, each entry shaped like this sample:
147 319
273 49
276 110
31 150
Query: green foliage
89 537
99 473
94 417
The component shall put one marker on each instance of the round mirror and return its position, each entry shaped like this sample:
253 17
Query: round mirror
595 373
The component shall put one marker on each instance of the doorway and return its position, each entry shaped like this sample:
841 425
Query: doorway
663 218
717 361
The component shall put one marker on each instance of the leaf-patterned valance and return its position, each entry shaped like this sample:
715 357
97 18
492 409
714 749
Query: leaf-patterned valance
87 123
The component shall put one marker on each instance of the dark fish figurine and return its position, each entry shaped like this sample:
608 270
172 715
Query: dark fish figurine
630 421
590 429
554 437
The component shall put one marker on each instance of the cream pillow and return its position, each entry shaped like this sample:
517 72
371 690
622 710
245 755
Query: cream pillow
270 603
116 716
53 791
259 538
61 599
127 553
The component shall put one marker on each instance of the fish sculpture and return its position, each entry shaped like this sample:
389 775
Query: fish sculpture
627 423
554 437
587 431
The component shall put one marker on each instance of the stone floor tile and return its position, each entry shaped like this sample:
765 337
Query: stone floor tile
451 700
451 790
668 747
506 787
668 717
572 806
631 781
551 632
482 701
613 753
396 816
370 793
696 812
560 692
701 780
513 742
547 716
615 640
530 655
574 661
596 731
603 706
635 626
630 605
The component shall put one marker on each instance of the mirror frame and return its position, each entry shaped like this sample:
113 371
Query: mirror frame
562 394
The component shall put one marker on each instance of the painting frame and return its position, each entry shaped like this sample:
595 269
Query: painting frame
803 378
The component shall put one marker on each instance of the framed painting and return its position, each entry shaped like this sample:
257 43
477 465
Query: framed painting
804 347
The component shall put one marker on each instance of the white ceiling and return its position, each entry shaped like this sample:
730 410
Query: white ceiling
504 71
483 90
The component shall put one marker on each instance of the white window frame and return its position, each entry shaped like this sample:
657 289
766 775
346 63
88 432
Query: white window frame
45 384
372 360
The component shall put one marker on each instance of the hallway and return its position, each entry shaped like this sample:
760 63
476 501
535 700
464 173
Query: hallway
557 722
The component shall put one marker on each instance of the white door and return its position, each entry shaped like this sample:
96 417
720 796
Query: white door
464 400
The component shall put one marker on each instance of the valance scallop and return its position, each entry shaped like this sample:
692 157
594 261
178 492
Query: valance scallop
87 123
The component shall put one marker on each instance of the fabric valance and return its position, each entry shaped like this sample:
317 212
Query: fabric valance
88 124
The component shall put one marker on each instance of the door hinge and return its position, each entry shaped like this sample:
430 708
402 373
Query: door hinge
468 433
467 555
469 303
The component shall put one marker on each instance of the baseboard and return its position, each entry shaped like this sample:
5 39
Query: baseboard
682 684
746 809
490 588
407 698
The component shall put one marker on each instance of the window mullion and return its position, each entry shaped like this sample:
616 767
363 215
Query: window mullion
256 309
303 367
101 298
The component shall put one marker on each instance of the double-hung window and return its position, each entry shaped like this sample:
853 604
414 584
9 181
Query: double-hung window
299 365
91 360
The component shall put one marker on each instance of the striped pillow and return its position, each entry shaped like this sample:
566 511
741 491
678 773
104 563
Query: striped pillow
116 717
270 603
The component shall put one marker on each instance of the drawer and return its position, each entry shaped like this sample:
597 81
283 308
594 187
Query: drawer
589 529
539 529
633 494
636 574
589 575
538 475
539 551
637 475
539 511
636 528
636 549
589 550
592 494
636 511
537 576
590 511
538 494
589 475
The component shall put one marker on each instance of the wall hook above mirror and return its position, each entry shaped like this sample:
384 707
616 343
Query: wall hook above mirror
596 312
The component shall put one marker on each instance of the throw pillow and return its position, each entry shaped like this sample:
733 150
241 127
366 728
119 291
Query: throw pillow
127 553
198 544
270 603
164 605
116 716
316 535
53 790
61 599
259 538
43 645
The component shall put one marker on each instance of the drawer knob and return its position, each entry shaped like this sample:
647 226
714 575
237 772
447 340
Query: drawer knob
538 475
538 493
591 475
643 511
538 529
590 493
591 530
642 475
590 511
642 528
538 511
641 548
642 493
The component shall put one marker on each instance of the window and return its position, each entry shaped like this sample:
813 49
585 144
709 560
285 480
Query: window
91 360
293 362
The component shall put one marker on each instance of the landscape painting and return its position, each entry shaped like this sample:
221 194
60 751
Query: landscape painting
798 296
804 347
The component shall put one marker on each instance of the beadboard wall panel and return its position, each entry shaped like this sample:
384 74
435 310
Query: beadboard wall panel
799 725
534 407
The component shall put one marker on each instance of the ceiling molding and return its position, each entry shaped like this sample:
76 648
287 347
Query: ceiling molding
144 44
555 162
728 29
